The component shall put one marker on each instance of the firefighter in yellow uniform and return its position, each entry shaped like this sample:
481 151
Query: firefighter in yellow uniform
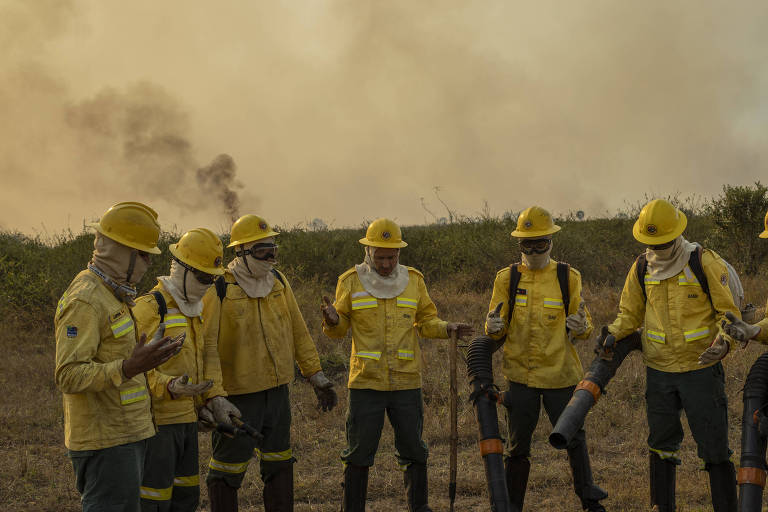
387 307
537 312
680 293
261 333
100 366
180 386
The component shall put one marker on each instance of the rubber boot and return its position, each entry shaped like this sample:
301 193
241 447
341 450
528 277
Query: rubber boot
278 490
662 483
589 493
416 488
722 482
355 488
223 498
517 469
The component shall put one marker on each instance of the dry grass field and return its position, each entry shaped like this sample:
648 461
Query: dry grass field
35 474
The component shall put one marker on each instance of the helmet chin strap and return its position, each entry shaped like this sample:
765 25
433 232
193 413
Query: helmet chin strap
131 265
186 271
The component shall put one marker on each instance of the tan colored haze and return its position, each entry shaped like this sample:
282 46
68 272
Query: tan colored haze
348 110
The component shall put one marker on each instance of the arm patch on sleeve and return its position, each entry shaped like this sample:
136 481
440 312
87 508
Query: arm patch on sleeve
71 331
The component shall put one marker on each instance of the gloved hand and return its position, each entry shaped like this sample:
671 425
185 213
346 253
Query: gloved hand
205 420
739 329
716 351
222 408
462 330
326 396
577 322
179 386
493 322
330 316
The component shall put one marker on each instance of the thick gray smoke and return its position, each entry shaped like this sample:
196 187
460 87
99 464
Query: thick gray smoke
219 178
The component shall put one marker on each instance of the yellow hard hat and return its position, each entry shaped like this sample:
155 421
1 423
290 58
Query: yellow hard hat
659 222
132 224
200 248
249 228
384 233
764 234
535 222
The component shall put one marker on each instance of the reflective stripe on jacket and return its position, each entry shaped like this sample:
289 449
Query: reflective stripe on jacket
198 358
385 347
680 322
537 351
94 333
259 339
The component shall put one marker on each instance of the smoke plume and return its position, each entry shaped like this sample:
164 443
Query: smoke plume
219 178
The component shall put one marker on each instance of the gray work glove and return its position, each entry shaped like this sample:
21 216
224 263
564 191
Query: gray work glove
716 351
330 315
749 314
493 322
326 396
222 409
577 322
739 329
179 386
205 420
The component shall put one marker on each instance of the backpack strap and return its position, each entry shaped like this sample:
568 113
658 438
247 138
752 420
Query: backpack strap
563 269
641 267
514 280
279 276
221 287
698 270
162 307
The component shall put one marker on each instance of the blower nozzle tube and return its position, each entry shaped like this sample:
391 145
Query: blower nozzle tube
751 476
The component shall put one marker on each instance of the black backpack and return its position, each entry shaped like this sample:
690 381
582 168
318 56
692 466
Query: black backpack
221 284
563 269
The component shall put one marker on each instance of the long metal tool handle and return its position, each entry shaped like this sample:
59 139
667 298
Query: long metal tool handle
454 419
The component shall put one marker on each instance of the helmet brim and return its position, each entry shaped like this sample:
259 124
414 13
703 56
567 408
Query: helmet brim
535 234
216 271
658 240
253 238
383 245
121 240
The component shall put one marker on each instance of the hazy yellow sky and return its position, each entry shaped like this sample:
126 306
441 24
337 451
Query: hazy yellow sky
351 110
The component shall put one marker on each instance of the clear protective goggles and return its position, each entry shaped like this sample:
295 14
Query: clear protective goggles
535 245
261 252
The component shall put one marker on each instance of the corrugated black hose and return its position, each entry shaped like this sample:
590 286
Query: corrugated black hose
751 475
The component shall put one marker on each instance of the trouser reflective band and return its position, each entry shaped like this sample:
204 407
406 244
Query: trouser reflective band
228 467
403 467
696 334
274 456
186 481
132 395
671 456
148 493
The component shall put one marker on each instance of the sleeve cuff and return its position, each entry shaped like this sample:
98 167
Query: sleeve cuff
115 373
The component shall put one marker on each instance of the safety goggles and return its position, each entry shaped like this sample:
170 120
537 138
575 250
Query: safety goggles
661 247
202 277
262 251
535 246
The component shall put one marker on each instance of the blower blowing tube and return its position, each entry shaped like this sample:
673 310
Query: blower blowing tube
600 372
751 476
484 397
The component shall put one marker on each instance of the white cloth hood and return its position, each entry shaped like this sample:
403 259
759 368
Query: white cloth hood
192 306
666 263
381 287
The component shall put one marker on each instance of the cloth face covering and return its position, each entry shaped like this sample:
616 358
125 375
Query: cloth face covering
256 279
537 261
192 306
112 260
666 263
381 287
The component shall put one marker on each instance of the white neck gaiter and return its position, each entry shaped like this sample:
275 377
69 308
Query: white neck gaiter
192 305
381 287
111 261
256 279
666 263
537 261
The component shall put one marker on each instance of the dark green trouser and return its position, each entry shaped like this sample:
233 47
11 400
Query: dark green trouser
701 394
109 479
365 419
523 415
268 411
171 481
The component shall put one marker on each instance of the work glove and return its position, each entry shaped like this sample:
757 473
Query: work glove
179 386
749 314
330 315
577 322
605 344
493 322
461 330
326 396
222 409
716 351
205 420
739 329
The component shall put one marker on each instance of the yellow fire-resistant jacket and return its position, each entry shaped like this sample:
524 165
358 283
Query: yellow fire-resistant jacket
259 339
680 322
198 358
537 351
385 347
94 334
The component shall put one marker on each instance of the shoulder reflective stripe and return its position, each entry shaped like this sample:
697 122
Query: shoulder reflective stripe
273 456
62 302
122 326
360 294
407 303
553 303
666 455
656 336
369 355
149 493
405 354
228 467
132 395
366 303
521 300
186 481
696 334
650 280
175 321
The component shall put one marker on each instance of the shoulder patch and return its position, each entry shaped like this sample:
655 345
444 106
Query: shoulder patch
71 331
724 279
